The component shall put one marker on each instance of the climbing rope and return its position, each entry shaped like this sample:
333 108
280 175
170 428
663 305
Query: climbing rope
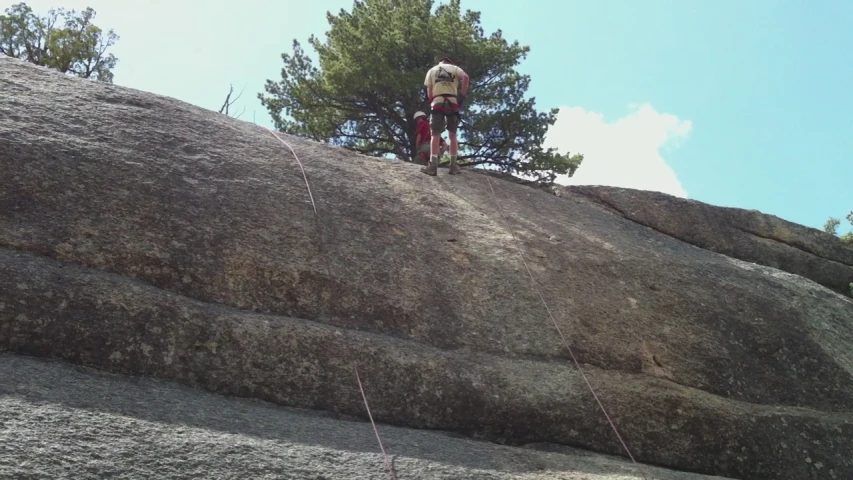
296 157
384 455
557 326
388 466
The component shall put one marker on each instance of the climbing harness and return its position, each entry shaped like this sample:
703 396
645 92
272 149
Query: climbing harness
388 465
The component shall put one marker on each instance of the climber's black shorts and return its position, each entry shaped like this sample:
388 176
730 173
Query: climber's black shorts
438 121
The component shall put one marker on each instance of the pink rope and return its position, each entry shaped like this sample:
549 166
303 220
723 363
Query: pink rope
366 406
357 377
300 167
559 331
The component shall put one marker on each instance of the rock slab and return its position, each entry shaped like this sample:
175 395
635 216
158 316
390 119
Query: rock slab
58 421
148 237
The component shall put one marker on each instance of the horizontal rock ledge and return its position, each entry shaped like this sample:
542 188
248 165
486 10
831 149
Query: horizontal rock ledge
151 429
124 326
747 235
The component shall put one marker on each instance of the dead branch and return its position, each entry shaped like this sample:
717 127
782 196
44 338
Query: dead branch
226 105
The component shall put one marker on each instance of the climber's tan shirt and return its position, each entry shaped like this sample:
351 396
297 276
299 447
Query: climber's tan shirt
444 79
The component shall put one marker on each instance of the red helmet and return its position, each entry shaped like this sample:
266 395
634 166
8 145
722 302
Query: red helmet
447 60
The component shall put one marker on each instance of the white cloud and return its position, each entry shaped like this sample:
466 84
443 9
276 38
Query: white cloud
624 153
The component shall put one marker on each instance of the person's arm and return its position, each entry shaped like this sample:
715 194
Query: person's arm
465 81
428 84
418 140
463 86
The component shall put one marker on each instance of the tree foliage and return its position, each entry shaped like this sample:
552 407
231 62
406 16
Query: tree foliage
831 227
368 82
64 40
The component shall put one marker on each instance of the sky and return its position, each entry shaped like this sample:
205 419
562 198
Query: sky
738 103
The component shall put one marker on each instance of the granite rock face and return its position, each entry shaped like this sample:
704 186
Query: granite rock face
147 237
86 424
747 235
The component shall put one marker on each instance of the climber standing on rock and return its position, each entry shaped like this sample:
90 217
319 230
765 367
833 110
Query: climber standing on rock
447 86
